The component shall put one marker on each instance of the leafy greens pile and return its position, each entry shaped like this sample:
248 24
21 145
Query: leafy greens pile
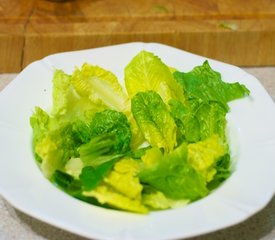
160 145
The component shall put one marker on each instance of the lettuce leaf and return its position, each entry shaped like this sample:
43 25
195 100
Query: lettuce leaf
154 120
100 86
188 125
147 72
115 123
173 175
121 189
198 120
56 141
105 195
55 149
40 122
99 150
223 171
124 178
67 103
205 84
204 113
204 155
67 183
74 167
156 200
91 177
110 138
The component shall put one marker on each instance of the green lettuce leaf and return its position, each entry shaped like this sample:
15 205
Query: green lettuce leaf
173 175
110 138
56 141
91 177
99 150
223 171
147 72
116 123
73 187
198 120
205 84
188 125
67 103
100 86
121 189
156 200
40 122
154 120
124 178
204 155
55 149
67 183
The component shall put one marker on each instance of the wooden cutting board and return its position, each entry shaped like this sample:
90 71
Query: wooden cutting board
237 32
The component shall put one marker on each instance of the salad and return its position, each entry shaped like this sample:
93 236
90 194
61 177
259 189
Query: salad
158 145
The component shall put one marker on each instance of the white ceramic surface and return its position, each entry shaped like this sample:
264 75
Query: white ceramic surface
251 124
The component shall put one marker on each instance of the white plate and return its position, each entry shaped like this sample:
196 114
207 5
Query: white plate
252 138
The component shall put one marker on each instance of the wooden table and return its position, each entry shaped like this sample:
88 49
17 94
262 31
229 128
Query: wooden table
237 32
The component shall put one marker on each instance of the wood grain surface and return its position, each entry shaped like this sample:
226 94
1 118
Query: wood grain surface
237 32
